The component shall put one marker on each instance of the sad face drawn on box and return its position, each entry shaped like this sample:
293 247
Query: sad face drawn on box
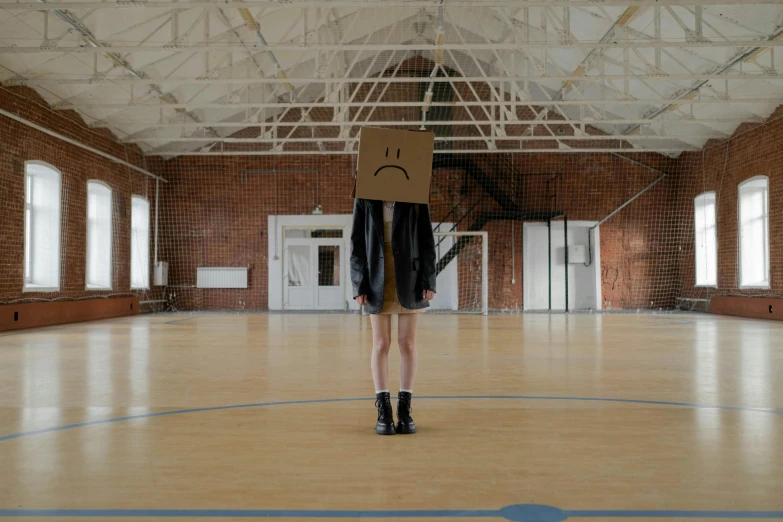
394 165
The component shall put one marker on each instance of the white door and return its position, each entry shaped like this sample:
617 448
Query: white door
584 281
298 275
535 263
314 274
329 288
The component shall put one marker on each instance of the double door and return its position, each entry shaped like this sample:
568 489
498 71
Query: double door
314 274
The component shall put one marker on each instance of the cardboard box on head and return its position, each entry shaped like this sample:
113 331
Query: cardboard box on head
394 165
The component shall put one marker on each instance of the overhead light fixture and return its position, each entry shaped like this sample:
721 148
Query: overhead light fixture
760 50
676 106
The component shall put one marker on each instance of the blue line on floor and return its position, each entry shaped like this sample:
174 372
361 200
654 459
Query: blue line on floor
352 399
518 513
671 514
245 513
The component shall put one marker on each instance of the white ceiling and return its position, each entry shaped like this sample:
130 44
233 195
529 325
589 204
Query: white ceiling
183 77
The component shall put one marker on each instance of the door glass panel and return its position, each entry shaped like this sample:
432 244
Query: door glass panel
328 265
299 233
328 232
298 265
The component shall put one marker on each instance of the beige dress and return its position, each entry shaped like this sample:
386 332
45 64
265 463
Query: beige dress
391 303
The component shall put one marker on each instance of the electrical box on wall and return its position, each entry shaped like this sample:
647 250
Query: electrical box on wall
577 254
161 277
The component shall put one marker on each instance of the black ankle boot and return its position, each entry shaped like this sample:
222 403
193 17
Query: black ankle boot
405 423
385 424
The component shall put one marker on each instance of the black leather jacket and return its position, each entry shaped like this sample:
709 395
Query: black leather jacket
413 245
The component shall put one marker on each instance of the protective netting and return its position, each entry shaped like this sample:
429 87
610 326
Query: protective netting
462 278
215 212
220 212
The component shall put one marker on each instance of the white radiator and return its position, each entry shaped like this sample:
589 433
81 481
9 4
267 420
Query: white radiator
221 277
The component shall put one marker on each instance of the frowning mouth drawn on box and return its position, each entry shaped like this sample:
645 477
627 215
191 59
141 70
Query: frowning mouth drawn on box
385 155
384 167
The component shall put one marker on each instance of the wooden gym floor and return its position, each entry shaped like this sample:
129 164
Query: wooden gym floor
533 418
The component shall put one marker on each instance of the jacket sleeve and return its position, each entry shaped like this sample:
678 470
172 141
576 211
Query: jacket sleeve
359 273
426 239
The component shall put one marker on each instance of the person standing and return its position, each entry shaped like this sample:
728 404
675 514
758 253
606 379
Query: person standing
393 272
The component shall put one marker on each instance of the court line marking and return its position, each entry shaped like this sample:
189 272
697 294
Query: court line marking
518 513
355 399
671 514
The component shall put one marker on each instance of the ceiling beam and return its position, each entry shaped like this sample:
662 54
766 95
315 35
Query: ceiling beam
663 150
89 104
284 67
93 43
276 141
364 4
583 67
41 81
500 46
155 126
692 92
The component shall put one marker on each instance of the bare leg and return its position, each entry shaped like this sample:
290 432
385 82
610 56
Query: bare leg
381 342
409 358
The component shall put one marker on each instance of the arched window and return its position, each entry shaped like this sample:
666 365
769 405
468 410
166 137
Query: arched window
140 243
754 232
42 228
706 240
99 236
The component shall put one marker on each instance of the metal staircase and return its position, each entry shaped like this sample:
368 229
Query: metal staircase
509 210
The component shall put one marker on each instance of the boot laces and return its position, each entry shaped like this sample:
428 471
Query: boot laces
404 407
384 406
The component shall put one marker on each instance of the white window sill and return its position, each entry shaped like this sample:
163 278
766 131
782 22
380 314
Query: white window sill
39 288
140 288
96 287
706 286
754 287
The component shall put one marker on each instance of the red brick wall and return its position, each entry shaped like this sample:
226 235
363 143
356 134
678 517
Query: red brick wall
212 213
754 149
20 143
639 256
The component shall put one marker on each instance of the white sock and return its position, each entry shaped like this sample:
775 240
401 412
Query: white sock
381 391
407 391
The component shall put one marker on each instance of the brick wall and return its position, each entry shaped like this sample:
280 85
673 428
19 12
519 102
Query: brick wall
20 143
754 149
639 257
214 212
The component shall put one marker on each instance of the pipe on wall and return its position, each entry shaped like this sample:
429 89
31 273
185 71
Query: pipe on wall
79 144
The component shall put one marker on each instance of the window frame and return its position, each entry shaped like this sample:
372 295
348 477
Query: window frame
149 275
748 181
27 284
87 285
696 239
